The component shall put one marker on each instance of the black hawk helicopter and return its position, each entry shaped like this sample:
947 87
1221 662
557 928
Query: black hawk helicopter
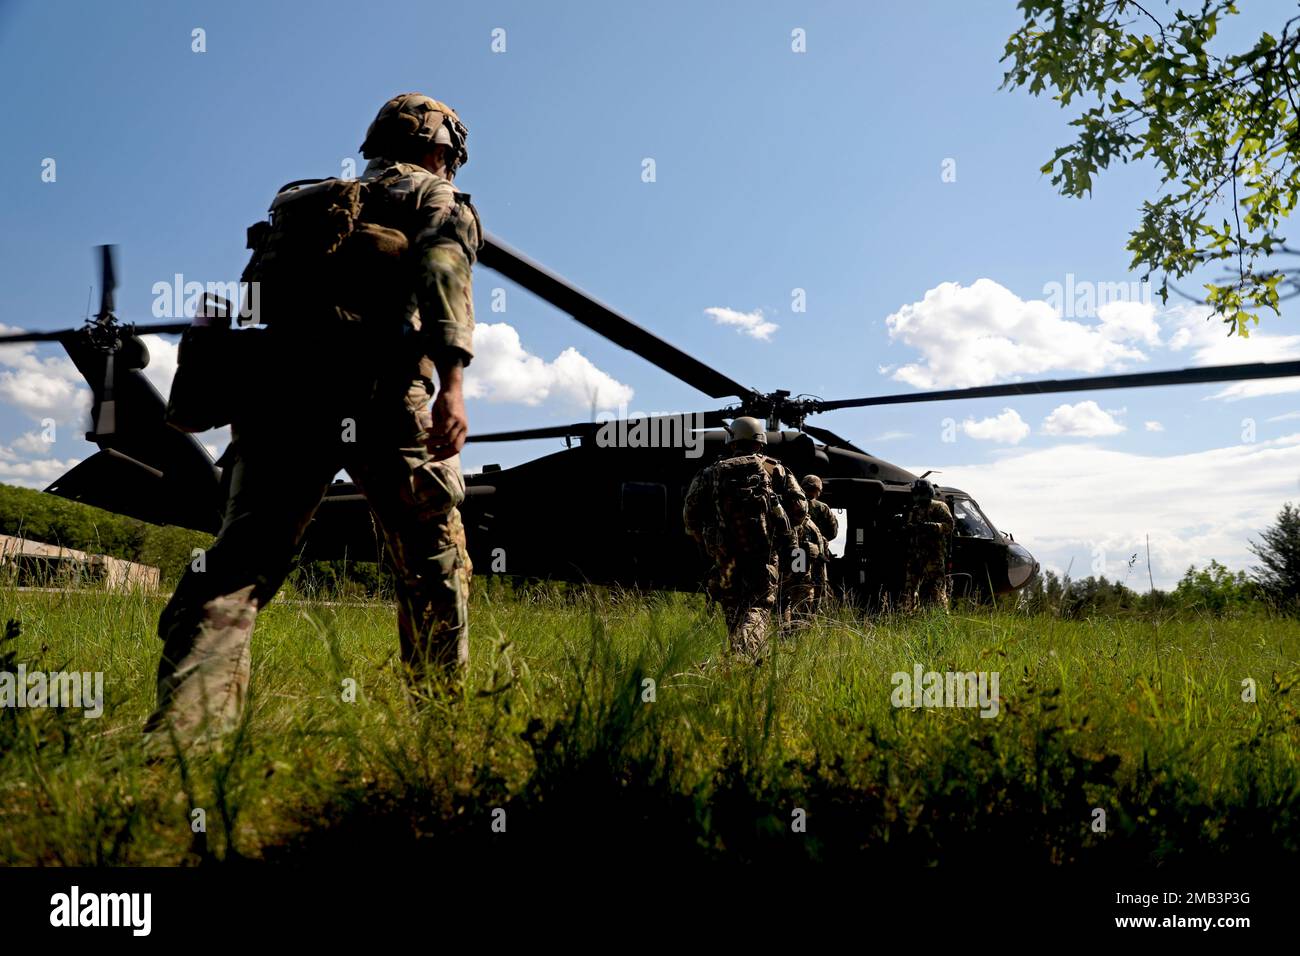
148 470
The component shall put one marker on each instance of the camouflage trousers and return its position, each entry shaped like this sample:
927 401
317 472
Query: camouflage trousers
925 584
822 585
798 599
803 596
747 592
276 472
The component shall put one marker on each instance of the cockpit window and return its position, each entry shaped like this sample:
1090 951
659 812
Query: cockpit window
970 523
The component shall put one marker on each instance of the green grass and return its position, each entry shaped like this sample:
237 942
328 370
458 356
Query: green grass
1142 718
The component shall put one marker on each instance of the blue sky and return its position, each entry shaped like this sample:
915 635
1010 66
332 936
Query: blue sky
774 171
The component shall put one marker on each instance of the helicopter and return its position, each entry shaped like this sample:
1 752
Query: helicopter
148 470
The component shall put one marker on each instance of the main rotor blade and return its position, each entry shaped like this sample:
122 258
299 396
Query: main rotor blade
107 282
1186 376
829 438
162 328
523 434
600 318
692 420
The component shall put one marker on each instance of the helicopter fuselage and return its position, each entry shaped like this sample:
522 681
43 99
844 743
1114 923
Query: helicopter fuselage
614 516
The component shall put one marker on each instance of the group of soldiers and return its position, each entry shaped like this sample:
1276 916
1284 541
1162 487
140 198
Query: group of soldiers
768 536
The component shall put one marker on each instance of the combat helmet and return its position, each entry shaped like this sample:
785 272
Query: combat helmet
748 429
811 483
922 490
413 122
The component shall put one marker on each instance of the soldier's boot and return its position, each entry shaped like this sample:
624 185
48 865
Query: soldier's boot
785 609
935 592
731 615
748 631
203 674
822 593
759 591
799 606
909 601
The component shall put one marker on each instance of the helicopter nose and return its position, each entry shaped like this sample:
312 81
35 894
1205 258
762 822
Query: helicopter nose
1021 566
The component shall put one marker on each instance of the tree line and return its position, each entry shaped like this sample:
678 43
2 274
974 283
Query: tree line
50 519
1273 583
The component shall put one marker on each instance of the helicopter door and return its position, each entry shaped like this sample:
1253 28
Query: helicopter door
855 501
976 549
644 509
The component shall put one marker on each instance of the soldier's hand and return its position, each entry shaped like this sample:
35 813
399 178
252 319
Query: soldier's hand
450 425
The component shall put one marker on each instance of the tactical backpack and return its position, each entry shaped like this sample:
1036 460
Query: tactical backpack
811 539
330 248
749 512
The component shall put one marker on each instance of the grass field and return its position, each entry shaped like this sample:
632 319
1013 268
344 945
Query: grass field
802 758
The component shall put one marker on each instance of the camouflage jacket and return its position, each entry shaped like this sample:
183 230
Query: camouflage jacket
931 526
811 539
824 518
445 234
699 513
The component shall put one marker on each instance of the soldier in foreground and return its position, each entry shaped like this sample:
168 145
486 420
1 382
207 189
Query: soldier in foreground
928 529
820 514
740 510
354 353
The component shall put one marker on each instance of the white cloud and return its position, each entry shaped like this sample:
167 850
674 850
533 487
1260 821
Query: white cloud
983 333
33 473
747 323
1284 417
1256 389
1063 502
892 436
1196 331
42 387
503 371
31 443
1122 321
162 362
1153 426
1008 428
1082 420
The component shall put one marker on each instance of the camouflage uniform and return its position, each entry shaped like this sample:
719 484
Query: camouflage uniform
820 514
744 583
368 411
803 564
928 531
